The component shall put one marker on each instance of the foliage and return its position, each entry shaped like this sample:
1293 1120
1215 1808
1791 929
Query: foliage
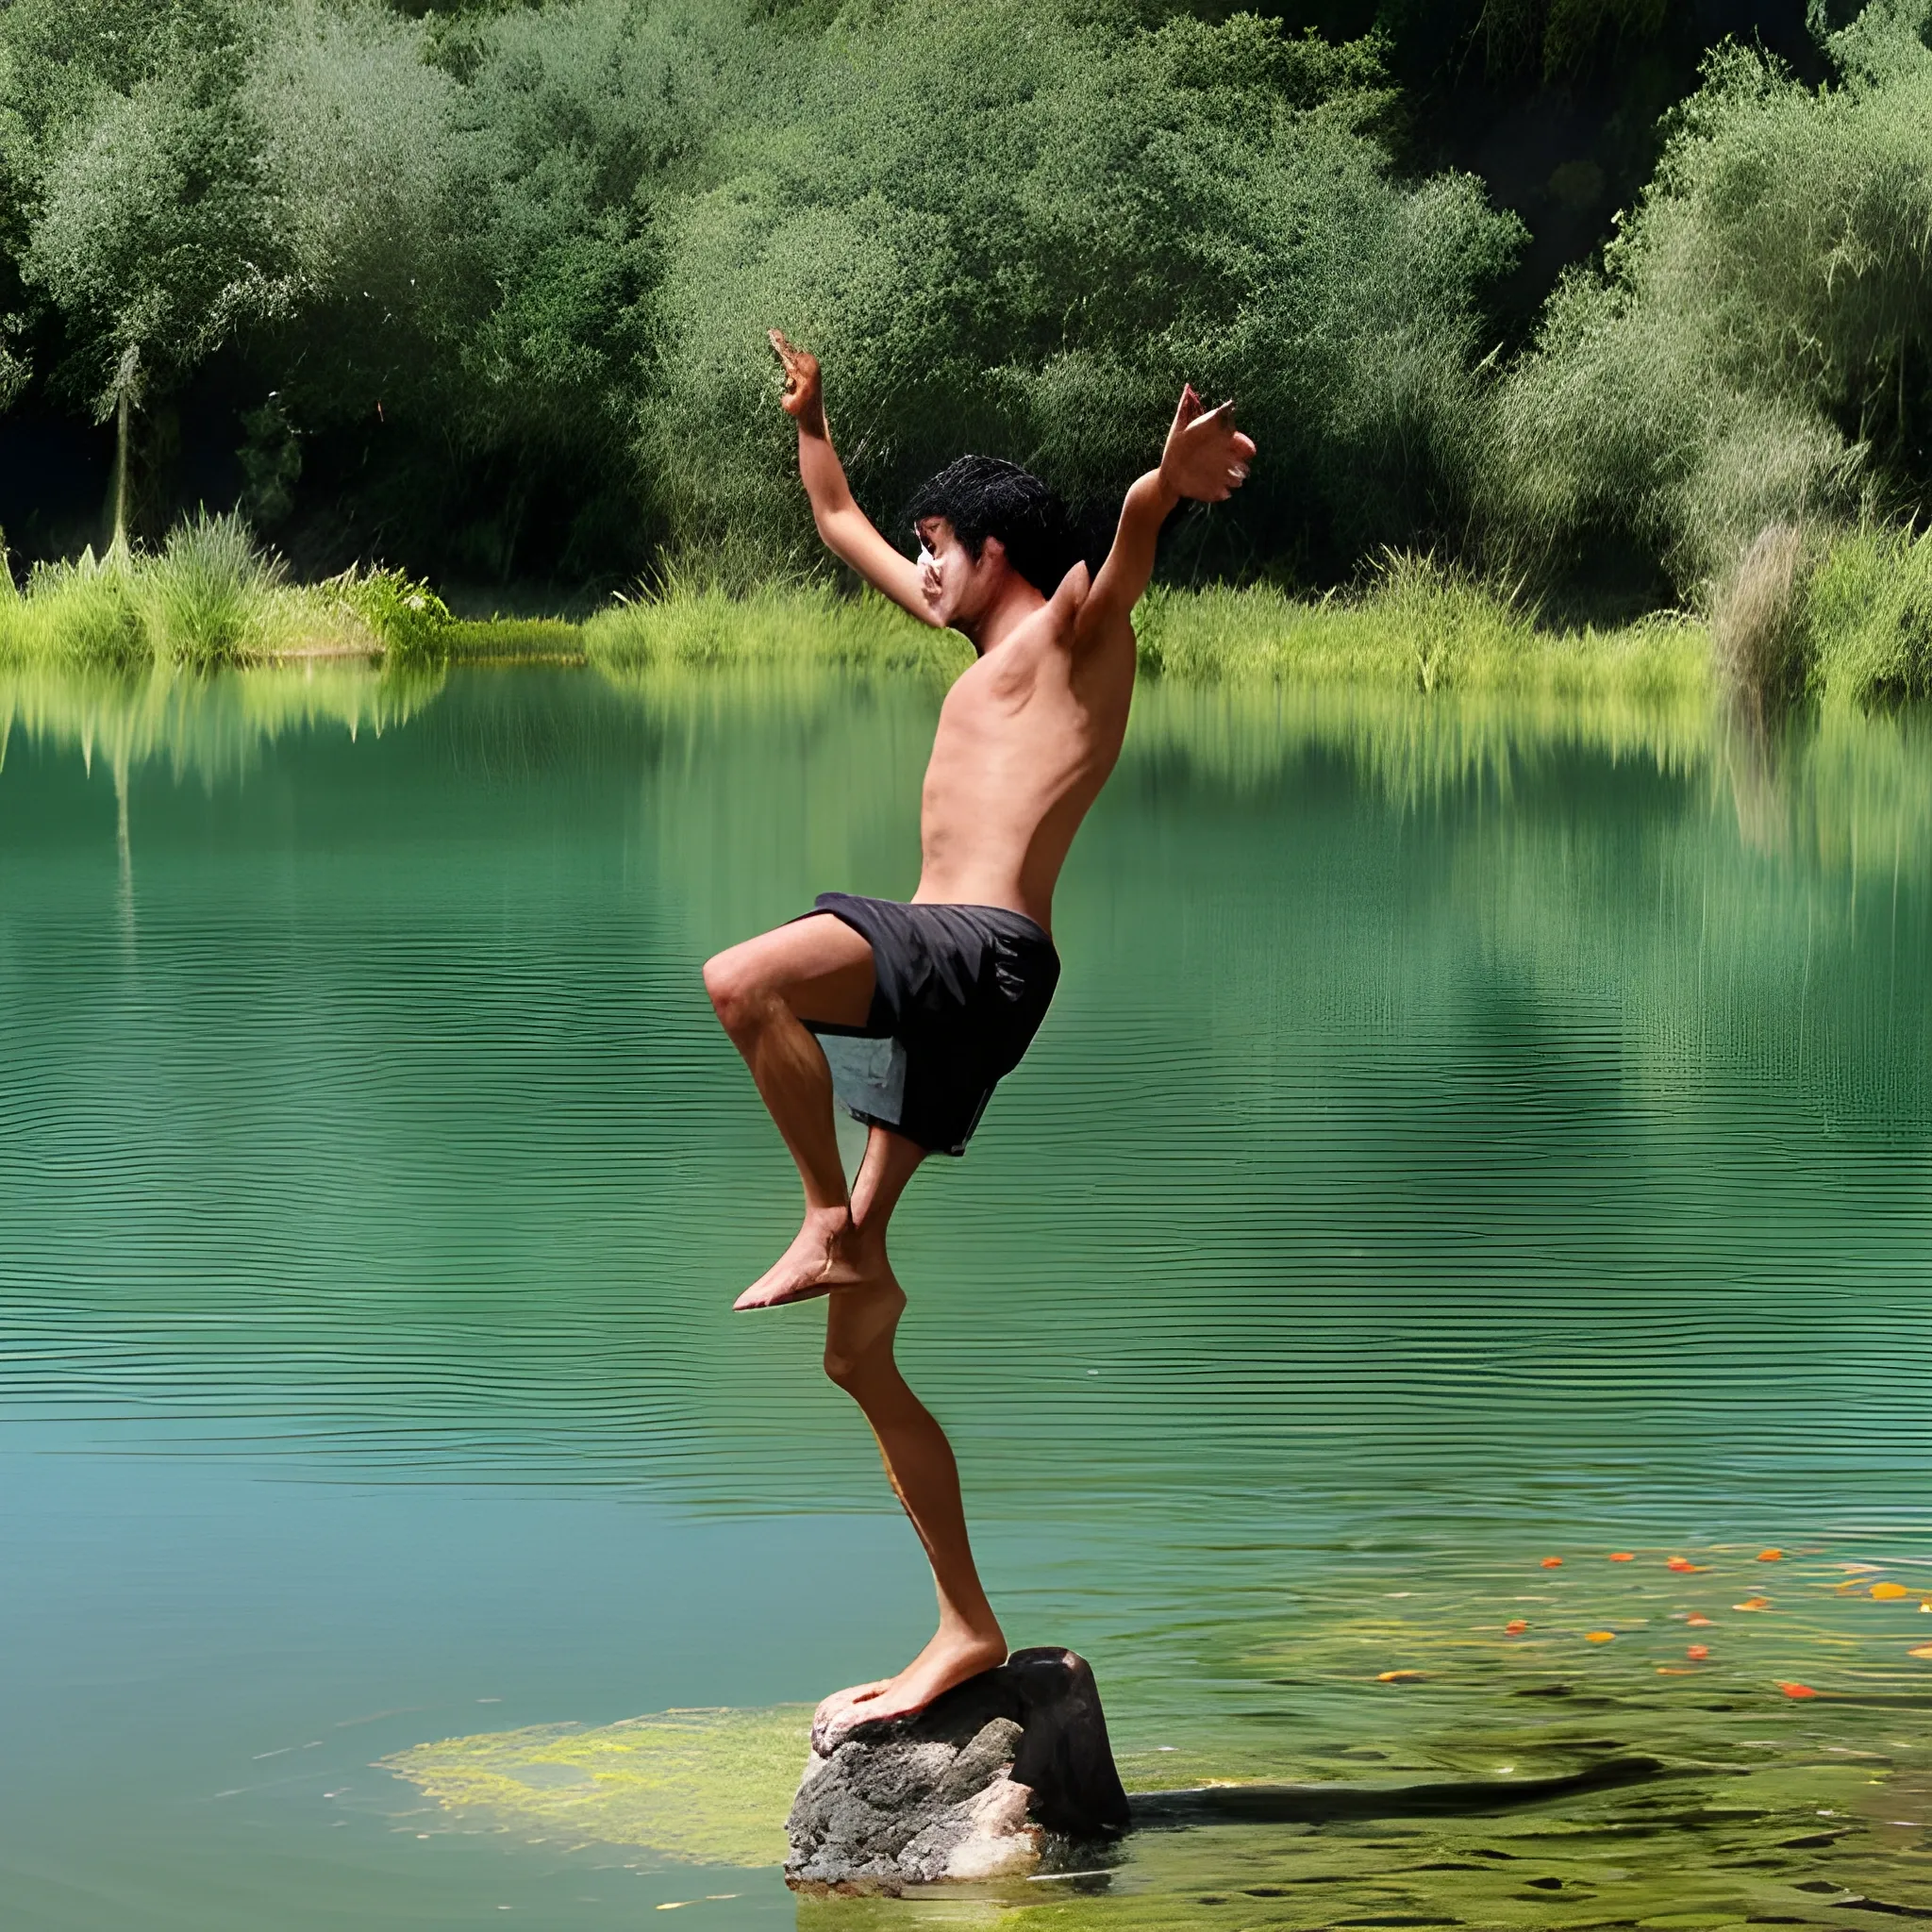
1758 345
1036 262
1415 624
696 624
490 281
210 596
1560 37
1867 618
148 220
408 619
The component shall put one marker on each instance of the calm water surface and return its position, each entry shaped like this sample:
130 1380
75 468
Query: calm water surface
1464 1136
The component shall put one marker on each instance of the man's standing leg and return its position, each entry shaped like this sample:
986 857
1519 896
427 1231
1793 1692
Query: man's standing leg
763 991
861 1323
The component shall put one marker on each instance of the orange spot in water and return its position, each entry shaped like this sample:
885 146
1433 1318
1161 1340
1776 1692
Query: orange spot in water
1797 1691
1622 1556
1599 1637
1552 1563
1770 1555
1698 1652
1515 1628
1400 1677
1753 1603
1698 1621
1888 1592
1924 1650
1682 1563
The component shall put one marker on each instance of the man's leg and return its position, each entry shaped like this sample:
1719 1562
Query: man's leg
763 991
861 1323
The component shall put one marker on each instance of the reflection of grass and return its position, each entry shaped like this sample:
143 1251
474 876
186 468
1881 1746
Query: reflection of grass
1854 788
212 726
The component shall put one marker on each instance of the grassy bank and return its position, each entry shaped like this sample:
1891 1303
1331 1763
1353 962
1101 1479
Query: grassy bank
1802 618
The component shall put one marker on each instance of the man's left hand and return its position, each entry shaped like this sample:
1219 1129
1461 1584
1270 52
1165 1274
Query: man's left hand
1207 457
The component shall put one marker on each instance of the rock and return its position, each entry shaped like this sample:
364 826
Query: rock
975 1786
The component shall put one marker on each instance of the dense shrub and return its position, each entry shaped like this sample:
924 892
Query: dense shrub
1757 347
1007 228
490 279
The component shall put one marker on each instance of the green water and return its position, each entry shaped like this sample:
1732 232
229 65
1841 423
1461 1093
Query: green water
1463 1136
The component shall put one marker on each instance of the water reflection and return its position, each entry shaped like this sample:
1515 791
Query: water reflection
1466 1133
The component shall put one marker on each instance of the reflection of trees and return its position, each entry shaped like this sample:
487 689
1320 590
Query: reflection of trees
1848 790
1399 1040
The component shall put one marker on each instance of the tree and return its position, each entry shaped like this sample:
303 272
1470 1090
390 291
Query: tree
152 230
1758 342
1009 228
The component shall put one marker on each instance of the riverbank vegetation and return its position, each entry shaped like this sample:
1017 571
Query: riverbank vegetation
1799 619
477 292
211 596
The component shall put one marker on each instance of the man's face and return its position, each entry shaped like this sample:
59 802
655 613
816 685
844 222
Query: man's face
959 588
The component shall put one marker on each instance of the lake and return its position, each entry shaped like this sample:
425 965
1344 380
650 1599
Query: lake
1477 1173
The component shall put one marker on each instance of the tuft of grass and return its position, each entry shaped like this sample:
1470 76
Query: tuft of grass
549 640
1867 618
797 624
212 596
1758 644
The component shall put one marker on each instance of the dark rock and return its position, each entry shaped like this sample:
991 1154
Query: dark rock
976 1786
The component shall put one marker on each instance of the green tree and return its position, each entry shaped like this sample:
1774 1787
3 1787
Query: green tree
150 227
1008 228
1758 342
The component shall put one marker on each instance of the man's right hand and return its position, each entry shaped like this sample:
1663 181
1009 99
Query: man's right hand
802 399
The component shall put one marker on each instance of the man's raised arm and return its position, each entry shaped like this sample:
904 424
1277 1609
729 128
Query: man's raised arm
847 531
1205 458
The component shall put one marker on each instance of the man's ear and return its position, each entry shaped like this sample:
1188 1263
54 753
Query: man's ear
992 550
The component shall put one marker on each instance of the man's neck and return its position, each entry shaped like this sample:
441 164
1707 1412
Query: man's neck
1008 612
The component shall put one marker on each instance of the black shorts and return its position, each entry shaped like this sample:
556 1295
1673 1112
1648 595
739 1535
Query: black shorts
958 993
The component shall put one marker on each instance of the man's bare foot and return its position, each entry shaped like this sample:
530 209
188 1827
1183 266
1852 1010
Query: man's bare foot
826 1252
950 1658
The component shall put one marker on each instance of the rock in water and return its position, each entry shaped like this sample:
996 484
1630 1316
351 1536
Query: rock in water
974 1787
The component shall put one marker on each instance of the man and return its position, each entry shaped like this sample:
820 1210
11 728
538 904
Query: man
923 1007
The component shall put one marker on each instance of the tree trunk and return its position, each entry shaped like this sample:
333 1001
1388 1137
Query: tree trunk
118 547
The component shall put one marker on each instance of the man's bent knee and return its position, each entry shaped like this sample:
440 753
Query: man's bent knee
736 992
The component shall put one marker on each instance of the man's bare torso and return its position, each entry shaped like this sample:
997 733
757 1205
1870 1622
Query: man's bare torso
1027 739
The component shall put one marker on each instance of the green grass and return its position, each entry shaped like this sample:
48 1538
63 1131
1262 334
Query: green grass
805 625
1859 617
210 596
1414 626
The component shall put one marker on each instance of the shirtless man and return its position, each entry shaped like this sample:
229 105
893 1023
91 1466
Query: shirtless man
910 1014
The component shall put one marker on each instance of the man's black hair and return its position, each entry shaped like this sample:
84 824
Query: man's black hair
982 497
